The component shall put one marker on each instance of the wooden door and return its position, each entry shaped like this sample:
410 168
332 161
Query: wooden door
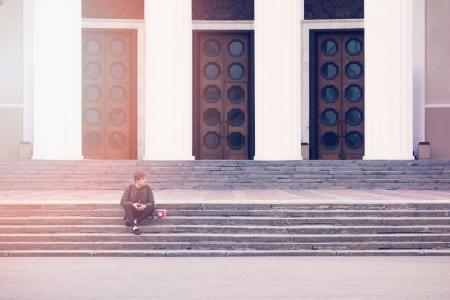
340 90
109 94
222 95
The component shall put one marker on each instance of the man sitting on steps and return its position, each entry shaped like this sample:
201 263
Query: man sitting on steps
137 202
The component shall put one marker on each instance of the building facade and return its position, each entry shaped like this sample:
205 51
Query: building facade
224 79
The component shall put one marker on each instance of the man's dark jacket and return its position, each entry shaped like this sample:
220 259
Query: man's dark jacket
143 195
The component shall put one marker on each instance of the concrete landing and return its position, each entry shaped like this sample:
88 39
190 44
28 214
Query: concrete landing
229 196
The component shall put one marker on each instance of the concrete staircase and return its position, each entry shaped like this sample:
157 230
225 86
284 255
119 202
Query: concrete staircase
228 230
93 174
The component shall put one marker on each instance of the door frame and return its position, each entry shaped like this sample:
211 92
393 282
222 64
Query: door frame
139 27
196 139
313 84
133 141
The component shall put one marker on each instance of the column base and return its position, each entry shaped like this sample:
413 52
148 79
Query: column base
169 159
372 157
56 157
299 157
25 150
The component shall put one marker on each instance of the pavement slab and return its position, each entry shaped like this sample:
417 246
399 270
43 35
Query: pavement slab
219 278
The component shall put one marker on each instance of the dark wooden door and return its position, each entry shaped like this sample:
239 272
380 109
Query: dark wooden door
222 95
340 84
109 94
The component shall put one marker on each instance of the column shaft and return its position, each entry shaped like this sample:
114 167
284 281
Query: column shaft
56 75
169 80
388 79
419 45
278 79
27 86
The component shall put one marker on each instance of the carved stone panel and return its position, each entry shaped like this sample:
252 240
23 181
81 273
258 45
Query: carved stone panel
222 9
334 9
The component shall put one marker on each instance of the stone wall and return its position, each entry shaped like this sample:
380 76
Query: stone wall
438 77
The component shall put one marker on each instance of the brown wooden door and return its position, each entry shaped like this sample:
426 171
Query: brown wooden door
222 95
109 94
340 82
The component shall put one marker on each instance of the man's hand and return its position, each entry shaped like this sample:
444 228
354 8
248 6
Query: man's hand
139 206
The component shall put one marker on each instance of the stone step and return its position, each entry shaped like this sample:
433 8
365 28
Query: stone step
235 185
80 169
313 213
226 163
235 213
221 253
297 173
176 173
92 170
271 206
242 221
208 178
257 175
242 186
227 174
14 246
120 163
223 179
228 229
224 229
238 238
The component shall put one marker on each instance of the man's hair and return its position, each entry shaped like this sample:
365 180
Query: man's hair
138 175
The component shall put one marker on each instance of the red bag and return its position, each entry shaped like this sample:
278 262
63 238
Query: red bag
161 213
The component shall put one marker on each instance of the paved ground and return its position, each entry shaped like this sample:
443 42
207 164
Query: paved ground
225 278
228 196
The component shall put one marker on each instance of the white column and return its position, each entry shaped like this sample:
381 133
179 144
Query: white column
56 78
27 85
169 80
388 79
278 79
419 71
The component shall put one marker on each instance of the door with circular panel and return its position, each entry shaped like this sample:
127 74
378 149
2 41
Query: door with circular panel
340 90
222 96
109 94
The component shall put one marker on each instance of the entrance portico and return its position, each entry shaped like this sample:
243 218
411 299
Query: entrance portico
54 98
